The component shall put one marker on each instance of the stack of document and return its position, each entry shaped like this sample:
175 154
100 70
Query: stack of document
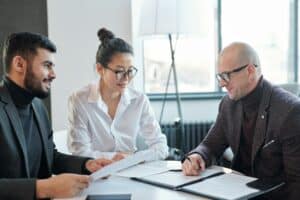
215 182
149 168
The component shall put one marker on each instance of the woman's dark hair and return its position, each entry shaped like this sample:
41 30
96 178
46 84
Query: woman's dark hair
110 45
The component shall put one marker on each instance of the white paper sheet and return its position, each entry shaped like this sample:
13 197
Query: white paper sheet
227 186
149 168
129 161
140 171
170 164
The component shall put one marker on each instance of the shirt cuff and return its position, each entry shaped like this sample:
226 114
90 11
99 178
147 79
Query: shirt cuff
84 170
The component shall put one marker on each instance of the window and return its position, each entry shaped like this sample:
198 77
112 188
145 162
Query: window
194 64
194 58
266 25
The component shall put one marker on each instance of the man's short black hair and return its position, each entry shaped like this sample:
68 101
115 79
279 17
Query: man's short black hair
24 44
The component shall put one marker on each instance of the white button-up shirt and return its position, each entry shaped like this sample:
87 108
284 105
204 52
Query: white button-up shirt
93 133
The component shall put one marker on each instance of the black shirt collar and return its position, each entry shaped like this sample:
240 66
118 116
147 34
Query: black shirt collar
252 100
20 96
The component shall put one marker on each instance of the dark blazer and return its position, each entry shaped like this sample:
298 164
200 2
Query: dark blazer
276 142
15 182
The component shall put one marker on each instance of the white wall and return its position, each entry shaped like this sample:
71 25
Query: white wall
73 26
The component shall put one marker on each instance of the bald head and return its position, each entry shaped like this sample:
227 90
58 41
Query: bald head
239 53
238 69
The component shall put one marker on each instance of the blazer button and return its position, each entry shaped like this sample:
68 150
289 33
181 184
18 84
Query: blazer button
262 116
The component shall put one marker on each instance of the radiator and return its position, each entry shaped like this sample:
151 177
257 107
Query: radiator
193 134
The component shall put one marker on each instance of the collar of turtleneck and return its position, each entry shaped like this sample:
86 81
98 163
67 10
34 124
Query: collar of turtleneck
20 96
252 100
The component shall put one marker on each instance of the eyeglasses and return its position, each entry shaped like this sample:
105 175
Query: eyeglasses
225 76
120 74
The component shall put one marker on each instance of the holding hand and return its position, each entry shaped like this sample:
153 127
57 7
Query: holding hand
193 165
95 165
61 186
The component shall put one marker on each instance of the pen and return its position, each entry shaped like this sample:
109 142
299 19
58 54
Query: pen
175 170
188 159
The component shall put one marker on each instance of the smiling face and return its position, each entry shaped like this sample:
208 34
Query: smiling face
238 83
119 62
39 73
241 65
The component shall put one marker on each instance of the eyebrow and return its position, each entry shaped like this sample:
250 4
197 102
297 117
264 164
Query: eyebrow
120 66
48 62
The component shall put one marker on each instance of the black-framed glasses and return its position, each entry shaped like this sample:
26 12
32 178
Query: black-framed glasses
120 74
225 76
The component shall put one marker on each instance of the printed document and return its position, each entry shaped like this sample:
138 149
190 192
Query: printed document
129 161
227 186
149 168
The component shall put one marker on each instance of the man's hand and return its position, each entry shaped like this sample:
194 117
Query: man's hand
61 186
94 165
193 165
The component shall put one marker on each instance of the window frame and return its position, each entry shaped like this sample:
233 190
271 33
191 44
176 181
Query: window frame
218 93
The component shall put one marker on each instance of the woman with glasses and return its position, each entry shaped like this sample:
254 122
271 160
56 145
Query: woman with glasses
106 117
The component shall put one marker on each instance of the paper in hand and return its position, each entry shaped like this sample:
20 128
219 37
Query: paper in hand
129 161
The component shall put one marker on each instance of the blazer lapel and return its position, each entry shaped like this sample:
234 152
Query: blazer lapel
42 129
261 122
13 115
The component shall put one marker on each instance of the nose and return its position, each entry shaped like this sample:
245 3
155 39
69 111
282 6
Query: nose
222 83
52 74
125 76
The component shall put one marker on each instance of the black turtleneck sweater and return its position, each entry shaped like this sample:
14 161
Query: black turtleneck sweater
250 110
22 100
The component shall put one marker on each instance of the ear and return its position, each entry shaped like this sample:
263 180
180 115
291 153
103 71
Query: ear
251 69
19 64
99 68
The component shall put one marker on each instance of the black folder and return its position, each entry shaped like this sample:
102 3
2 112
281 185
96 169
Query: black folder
109 197
216 184
232 186
175 180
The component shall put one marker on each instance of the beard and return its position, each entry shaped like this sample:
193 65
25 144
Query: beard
34 85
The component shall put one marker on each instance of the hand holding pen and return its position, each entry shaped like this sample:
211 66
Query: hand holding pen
193 165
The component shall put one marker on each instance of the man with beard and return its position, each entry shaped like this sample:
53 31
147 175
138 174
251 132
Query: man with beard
27 153
259 121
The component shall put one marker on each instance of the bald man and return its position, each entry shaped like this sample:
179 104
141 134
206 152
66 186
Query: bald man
260 122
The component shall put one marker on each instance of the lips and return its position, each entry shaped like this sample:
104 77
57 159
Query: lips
48 82
122 85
